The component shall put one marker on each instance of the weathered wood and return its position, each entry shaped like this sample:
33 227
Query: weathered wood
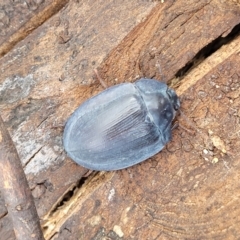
170 37
17 194
19 18
190 189
40 79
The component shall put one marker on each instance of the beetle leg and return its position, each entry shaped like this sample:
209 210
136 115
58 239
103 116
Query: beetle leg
100 79
87 173
175 125
189 122
163 77
191 132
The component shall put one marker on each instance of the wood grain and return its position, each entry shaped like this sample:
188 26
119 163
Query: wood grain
189 190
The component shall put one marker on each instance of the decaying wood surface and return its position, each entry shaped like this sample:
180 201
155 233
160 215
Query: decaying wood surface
190 190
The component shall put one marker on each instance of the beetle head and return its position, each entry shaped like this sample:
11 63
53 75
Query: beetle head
173 98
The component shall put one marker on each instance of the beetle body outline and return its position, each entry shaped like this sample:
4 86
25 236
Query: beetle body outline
121 126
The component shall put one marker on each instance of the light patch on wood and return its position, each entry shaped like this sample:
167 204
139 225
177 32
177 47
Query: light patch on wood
42 160
95 220
179 172
111 194
124 217
16 88
215 160
117 229
28 148
218 143
4 169
0 137
7 185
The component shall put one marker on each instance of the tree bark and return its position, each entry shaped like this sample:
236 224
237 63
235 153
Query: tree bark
16 192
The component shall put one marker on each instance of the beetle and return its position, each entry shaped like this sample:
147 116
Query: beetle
121 126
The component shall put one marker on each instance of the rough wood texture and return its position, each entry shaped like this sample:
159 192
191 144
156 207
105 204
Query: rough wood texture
52 62
20 18
17 194
190 190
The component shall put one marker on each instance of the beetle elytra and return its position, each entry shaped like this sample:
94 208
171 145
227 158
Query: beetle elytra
121 126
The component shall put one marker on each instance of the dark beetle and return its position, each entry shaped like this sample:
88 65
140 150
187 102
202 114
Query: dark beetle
122 126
